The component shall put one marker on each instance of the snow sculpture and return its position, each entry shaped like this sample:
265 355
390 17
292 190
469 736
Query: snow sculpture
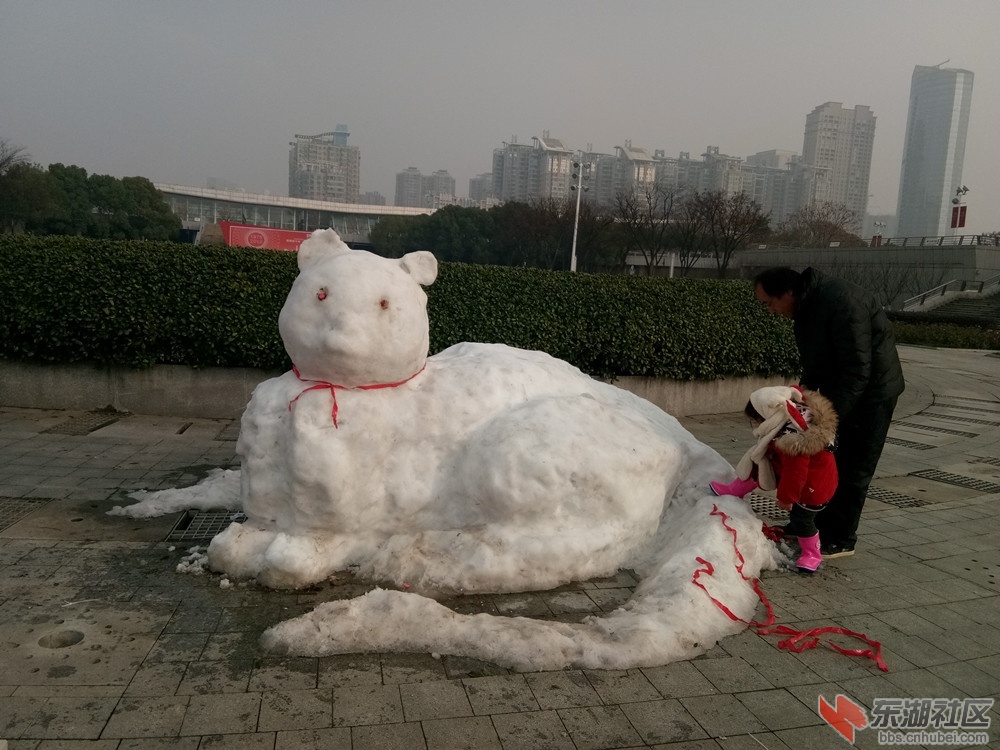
480 469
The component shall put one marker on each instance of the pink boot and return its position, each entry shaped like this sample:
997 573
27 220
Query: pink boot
738 487
810 558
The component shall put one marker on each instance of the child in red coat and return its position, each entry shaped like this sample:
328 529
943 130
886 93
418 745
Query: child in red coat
796 432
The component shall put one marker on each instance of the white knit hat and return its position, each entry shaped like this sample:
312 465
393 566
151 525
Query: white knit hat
777 405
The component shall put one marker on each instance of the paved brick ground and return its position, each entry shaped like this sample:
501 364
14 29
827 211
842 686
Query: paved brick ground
104 645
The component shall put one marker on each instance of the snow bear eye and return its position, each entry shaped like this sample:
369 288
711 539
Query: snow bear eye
384 304
321 294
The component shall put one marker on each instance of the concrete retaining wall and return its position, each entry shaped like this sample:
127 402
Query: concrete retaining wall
167 390
687 398
222 393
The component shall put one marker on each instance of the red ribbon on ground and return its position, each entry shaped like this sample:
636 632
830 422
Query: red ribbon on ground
774 533
323 385
798 640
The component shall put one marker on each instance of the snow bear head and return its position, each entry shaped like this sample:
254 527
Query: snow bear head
354 318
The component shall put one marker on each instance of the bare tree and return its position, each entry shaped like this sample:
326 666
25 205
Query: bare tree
729 221
552 232
819 224
11 156
890 283
23 191
690 233
644 217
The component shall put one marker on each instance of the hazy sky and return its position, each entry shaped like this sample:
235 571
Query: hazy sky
183 91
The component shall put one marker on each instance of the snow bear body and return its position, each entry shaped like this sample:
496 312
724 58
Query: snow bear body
432 472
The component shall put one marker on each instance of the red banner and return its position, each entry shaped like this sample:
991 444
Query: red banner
265 238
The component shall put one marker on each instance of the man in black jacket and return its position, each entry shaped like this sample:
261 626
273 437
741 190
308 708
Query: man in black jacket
848 354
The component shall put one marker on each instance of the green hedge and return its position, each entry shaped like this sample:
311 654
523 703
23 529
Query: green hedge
683 329
947 334
137 303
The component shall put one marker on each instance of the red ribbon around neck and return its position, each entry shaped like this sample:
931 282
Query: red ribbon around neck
323 385
798 640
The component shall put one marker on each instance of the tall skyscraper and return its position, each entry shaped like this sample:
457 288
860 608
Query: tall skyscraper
934 150
324 168
840 141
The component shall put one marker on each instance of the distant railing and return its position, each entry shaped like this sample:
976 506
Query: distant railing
967 240
955 285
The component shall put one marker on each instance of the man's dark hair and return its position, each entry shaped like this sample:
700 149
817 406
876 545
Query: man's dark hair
776 281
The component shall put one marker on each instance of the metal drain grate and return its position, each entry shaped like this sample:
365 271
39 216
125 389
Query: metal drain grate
86 423
765 506
200 525
957 480
894 498
931 428
13 509
988 460
965 407
908 444
975 400
964 420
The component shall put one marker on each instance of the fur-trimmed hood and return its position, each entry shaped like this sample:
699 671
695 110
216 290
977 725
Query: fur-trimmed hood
796 421
820 432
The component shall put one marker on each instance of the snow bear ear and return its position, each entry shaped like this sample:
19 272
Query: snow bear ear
323 243
421 265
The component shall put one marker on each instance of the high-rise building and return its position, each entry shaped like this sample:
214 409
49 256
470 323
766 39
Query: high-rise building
545 171
424 191
714 171
409 188
510 172
777 181
439 189
525 173
604 174
769 180
934 150
840 141
481 188
634 169
680 172
324 168
553 168
372 198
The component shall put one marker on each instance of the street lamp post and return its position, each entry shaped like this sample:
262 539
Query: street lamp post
582 173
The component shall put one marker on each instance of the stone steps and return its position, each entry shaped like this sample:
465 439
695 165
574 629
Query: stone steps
978 307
